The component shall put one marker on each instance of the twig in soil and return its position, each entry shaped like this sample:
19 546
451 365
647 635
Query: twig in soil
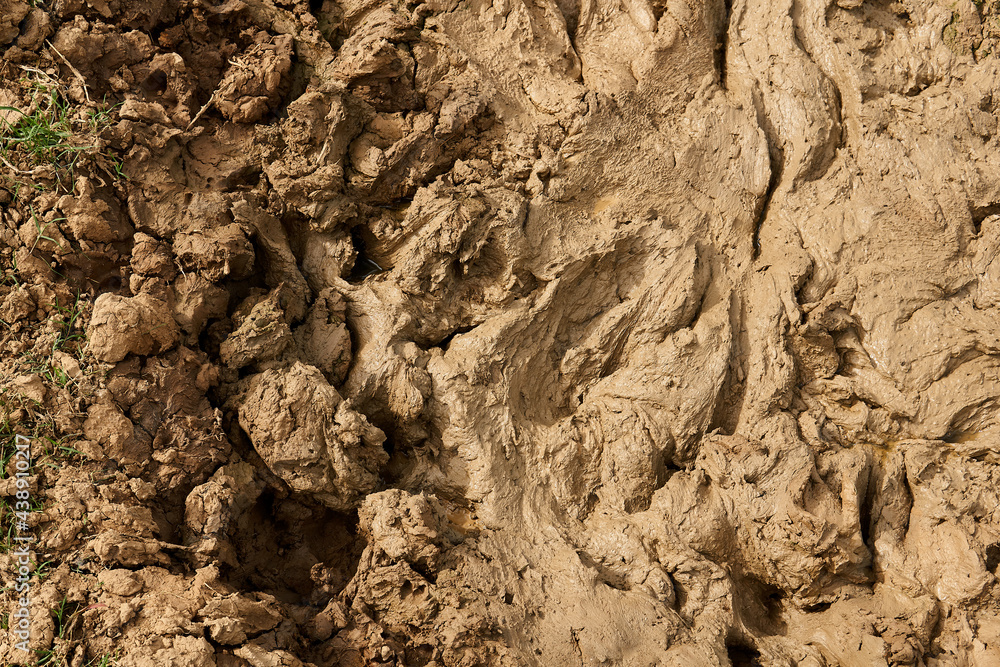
19 172
26 68
201 111
76 72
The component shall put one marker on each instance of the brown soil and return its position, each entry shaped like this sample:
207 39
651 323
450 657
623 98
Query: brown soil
501 332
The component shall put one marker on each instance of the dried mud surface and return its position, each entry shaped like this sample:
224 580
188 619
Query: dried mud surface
503 332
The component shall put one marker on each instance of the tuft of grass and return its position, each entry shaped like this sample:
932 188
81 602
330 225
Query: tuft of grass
7 446
68 334
64 617
41 570
8 531
69 337
53 450
57 450
106 660
10 276
52 136
46 136
69 325
40 230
